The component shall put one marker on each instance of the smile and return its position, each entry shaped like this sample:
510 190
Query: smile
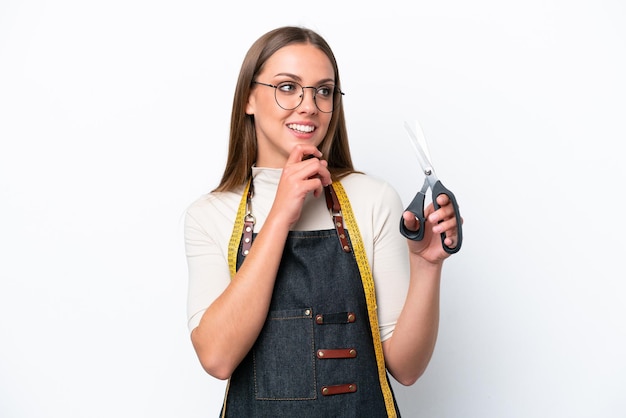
301 128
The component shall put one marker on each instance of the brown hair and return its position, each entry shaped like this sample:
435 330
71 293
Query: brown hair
242 148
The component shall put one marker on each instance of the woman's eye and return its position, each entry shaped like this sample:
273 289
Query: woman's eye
324 91
287 87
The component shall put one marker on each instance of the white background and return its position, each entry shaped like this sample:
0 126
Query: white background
114 117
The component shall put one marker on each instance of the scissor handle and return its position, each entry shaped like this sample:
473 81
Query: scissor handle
416 207
439 189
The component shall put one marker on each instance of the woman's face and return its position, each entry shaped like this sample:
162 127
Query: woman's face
279 130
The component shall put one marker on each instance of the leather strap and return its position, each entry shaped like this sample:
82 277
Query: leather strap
328 353
335 209
331 202
338 389
248 223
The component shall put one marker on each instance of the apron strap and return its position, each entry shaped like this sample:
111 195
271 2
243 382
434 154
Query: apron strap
335 210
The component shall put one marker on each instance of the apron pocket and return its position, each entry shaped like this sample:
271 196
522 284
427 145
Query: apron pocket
284 357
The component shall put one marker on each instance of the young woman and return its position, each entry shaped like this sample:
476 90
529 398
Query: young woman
302 291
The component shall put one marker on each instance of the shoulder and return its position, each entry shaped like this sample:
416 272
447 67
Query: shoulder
213 208
366 187
371 197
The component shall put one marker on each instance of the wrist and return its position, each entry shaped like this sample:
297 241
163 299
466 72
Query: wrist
423 264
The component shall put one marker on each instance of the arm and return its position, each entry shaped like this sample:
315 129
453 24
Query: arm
231 324
409 350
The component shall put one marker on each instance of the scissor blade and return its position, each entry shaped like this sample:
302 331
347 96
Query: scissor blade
422 156
421 139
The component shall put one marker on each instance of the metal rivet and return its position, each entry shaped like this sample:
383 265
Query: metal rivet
248 229
246 252
307 312
320 353
353 352
351 388
346 248
324 391
319 319
351 317
247 240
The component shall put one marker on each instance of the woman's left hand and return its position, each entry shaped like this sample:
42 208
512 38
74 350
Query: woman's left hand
437 222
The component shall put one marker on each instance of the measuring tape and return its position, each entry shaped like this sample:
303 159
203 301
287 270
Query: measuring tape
235 238
370 293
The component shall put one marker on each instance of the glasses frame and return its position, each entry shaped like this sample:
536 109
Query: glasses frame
337 93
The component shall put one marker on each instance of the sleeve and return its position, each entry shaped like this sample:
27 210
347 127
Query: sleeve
390 260
207 266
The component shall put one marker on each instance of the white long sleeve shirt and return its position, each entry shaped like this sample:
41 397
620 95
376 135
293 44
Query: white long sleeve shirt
377 209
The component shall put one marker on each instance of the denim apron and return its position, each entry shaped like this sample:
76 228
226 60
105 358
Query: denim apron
316 354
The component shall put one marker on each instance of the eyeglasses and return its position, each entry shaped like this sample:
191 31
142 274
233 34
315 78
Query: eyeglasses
290 94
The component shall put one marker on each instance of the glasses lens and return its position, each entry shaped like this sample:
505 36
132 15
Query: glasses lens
290 94
325 98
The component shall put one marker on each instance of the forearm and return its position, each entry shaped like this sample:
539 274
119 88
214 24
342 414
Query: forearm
410 348
231 324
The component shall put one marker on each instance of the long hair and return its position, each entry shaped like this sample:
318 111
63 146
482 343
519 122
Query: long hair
242 147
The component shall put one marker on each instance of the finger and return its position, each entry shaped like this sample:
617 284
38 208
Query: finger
443 199
410 221
313 168
315 165
449 227
301 151
311 175
444 212
324 173
316 186
320 177
450 241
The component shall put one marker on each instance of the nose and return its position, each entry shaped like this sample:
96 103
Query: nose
308 100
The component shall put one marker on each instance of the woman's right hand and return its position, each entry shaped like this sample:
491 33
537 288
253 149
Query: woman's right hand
301 176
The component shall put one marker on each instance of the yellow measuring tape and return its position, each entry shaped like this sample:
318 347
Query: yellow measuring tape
370 292
233 246
235 238
366 278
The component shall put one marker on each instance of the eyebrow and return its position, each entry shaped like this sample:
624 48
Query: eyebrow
299 79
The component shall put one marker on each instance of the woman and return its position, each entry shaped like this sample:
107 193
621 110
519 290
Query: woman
302 291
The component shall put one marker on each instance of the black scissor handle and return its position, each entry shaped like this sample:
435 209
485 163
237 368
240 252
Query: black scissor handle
439 189
416 207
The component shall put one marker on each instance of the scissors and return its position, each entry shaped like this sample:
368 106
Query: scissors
416 207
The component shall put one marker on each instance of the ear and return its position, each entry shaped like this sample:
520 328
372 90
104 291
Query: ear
251 105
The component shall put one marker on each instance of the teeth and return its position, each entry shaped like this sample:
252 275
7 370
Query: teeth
301 128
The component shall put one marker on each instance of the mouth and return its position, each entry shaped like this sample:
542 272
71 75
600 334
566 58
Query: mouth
301 128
